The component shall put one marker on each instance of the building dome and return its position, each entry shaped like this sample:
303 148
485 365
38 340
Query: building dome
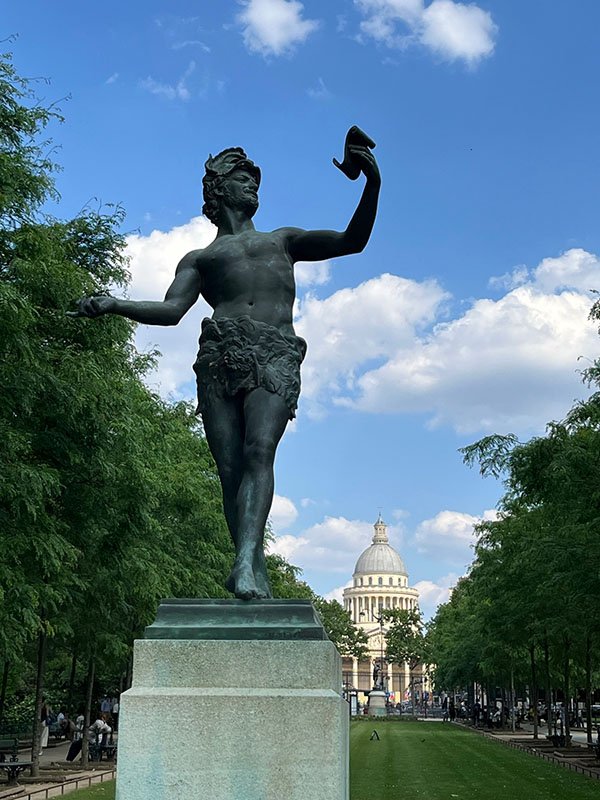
380 556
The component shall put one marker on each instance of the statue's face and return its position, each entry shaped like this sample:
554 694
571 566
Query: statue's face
239 191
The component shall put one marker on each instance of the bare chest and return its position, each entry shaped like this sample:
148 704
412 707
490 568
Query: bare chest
251 263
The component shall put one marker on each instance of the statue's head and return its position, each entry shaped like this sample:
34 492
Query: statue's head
226 168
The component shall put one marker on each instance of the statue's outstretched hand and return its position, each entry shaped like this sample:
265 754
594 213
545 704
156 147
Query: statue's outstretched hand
93 307
363 157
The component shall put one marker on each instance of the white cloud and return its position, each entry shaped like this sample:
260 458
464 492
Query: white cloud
449 29
112 78
312 273
575 269
454 30
332 545
450 535
509 364
434 593
283 512
274 27
338 593
355 326
153 262
177 91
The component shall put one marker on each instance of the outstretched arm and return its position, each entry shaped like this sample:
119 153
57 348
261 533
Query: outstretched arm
320 245
180 297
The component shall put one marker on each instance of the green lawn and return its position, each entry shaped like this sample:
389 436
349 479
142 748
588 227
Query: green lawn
104 791
431 761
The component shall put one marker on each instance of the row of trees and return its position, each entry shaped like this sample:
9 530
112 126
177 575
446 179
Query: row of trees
527 613
109 498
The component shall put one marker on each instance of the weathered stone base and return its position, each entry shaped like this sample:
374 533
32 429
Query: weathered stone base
234 720
377 701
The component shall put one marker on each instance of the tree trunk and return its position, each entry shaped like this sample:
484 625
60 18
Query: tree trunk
567 679
548 686
39 689
588 688
88 710
5 672
72 682
512 698
534 690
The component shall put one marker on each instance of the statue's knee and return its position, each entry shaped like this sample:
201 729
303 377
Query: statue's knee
259 454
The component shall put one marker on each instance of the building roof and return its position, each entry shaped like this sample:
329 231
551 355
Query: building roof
380 556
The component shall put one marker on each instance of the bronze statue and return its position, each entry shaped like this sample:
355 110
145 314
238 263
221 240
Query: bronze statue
248 365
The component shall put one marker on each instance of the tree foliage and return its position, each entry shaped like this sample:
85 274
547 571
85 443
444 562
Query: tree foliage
532 595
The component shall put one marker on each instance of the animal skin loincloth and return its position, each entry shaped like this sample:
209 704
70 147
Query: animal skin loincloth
240 354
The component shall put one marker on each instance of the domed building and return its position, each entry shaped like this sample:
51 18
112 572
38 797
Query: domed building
379 581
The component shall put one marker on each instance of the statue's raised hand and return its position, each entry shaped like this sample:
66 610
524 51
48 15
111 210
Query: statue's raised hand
94 307
357 155
363 158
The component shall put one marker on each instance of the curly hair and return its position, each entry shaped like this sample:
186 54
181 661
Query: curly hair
217 168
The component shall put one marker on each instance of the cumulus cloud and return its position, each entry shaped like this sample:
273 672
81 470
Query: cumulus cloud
508 364
505 364
355 326
450 535
312 273
283 512
332 545
449 29
338 593
153 262
575 269
274 27
434 593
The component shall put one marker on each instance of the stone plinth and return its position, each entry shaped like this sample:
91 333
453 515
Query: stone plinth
237 719
377 701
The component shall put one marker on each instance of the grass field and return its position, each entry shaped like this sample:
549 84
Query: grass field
103 791
431 761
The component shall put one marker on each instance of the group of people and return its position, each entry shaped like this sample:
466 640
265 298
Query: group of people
73 727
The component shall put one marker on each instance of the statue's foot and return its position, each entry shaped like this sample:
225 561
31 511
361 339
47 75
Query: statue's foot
243 583
261 575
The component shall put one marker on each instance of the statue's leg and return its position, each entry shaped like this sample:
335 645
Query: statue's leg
266 416
223 424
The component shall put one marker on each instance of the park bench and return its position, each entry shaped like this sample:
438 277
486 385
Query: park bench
9 746
14 768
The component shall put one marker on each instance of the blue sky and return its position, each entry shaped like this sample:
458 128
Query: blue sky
467 312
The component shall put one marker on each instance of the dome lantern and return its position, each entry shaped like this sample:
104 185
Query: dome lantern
380 556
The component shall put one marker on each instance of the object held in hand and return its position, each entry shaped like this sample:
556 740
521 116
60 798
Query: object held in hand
354 137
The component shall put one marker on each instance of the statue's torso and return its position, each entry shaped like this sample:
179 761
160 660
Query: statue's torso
251 274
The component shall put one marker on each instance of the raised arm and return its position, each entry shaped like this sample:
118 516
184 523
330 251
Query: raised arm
320 245
180 297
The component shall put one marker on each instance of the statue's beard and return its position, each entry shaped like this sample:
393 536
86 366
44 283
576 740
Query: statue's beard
249 205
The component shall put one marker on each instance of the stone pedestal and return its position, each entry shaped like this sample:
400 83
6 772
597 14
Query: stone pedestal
234 719
377 701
